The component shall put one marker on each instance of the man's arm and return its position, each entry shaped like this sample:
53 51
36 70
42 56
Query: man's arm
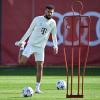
55 46
27 34
54 38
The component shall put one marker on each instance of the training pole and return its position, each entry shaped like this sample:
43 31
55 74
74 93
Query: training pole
71 44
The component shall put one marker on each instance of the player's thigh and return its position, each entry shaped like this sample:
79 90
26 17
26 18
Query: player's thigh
39 55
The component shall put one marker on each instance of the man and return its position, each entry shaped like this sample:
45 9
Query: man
37 35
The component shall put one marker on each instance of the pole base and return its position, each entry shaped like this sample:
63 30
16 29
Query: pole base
74 96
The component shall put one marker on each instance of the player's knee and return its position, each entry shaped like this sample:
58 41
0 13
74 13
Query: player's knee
22 62
41 65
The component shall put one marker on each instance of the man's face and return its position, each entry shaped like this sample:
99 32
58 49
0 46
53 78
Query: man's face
49 13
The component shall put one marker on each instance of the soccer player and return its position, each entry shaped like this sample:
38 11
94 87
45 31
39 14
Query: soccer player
37 35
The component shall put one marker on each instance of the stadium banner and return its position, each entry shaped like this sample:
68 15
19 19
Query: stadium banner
17 16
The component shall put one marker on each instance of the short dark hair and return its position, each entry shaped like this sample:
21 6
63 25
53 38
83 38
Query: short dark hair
50 6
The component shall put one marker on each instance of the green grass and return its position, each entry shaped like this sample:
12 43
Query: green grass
12 81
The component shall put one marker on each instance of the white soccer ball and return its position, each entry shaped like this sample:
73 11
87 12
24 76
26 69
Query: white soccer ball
61 85
27 92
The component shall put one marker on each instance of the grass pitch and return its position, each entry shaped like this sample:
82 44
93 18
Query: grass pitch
12 81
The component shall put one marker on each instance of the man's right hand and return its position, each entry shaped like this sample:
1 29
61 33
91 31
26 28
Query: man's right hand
18 43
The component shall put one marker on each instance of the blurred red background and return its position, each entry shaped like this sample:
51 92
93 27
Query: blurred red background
18 14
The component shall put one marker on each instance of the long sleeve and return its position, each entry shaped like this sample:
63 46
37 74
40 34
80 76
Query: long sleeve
29 31
54 36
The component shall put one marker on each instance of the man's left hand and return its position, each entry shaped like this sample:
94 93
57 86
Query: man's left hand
55 50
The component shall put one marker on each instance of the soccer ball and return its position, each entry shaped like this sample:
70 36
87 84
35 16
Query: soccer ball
61 85
27 91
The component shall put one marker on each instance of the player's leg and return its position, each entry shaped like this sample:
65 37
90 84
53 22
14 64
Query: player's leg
19 55
24 54
22 60
39 74
39 58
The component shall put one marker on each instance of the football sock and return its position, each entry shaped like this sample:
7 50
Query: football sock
37 86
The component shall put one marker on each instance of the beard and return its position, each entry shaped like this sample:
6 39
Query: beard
48 17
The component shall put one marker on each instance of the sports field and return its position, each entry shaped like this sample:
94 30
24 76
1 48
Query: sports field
12 81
